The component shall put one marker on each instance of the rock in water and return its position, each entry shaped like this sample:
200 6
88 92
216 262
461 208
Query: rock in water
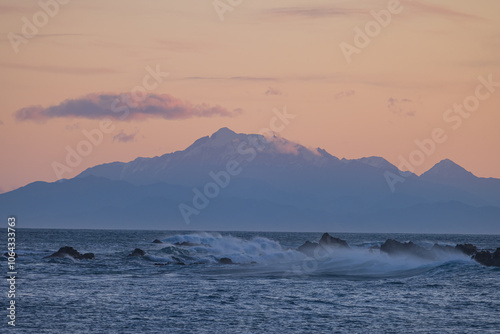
326 243
137 252
156 241
393 247
468 249
187 244
308 248
488 259
71 252
496 258
225 260
328 240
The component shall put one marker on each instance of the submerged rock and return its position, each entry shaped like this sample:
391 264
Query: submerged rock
71 252
137 253
225 260
156 241
187 244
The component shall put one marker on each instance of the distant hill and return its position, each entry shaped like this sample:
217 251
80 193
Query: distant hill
230 181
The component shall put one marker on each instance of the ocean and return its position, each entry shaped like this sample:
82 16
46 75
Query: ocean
269 288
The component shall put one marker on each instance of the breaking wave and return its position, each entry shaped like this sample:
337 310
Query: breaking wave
261 255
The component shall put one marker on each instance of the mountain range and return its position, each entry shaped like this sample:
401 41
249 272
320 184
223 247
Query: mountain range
234 181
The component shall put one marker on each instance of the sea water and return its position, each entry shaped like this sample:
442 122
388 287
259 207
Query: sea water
270 288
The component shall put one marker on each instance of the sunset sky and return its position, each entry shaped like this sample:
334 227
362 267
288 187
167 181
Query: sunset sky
263 55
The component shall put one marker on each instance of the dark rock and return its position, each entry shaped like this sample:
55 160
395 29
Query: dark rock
393 247
468 249
225 260
137 252
6 254
487 258
71 252
483 257
160 264
156 241
328 240
326 243
308 248
496 258
87 256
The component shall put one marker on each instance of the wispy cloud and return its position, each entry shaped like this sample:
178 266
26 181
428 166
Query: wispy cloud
123 137
6 9
273 91
123 107
71 127
402 107
239 78
428 8
184 46
59 69
344 94
312 12
361 8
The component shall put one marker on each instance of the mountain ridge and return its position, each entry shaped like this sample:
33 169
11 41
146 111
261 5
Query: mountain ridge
231 181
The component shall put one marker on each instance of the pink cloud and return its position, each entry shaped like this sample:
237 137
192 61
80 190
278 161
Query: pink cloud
125 107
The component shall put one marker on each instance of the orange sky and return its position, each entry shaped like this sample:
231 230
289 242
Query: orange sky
263 55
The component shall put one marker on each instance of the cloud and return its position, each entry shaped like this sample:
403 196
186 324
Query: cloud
59 69
240 78
313 12
273 91
360 8
402 107
344 94
184 46
123 107
428 8
282 145
71 127
4 9
122 137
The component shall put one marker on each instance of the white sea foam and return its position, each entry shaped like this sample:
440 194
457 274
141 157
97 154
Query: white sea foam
356 261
